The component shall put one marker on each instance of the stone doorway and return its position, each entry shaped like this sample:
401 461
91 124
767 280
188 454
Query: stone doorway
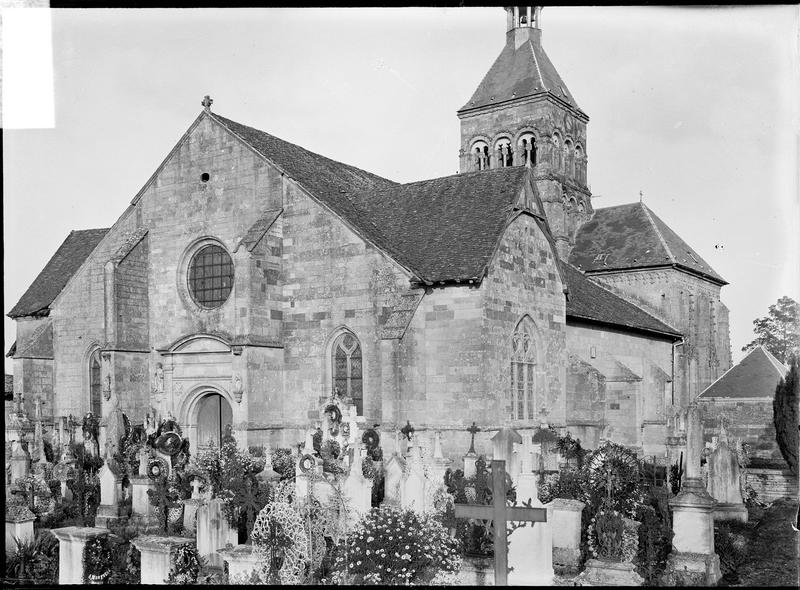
214 413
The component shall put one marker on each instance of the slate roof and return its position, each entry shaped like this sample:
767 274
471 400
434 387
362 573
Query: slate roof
67 259
447 228
590 302
518 73
756 375
632 236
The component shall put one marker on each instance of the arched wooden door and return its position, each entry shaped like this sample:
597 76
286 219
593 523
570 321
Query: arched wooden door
213 414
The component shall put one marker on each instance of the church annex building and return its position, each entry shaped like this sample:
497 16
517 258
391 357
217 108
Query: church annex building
250 277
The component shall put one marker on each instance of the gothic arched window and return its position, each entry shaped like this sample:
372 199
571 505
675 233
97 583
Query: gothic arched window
347 369
569 158
523 364
95 384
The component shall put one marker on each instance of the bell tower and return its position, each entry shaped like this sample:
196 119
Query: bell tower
522 114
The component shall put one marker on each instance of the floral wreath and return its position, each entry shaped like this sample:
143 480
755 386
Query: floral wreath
371 439
630 540
307 463
337 413
279 525
157 468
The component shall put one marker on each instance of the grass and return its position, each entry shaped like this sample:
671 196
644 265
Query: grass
773 548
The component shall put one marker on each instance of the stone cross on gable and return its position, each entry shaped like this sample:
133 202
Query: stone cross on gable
500 515
206 102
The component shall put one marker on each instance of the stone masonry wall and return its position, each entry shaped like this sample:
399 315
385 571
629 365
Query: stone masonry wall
751 420
628 404
693 307
131 299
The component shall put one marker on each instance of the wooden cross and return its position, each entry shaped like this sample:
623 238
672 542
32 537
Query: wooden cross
472 430
500 514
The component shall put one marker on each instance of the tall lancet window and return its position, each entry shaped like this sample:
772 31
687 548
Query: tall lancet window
523 364
347 369
95 384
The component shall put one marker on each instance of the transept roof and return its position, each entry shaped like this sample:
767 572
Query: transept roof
631 236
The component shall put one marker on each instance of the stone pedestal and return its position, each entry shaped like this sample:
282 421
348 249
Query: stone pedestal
110 509
156 555
476 571
566 529
213 532
358 490
242 561
469 464
530 550
600 572
19 525
413 485
693 561
142 512
190 506
394 477
71 543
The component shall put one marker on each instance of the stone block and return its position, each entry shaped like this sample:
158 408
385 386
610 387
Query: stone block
476 571
601 572
156 556
566 529
71 543
242 561
213 532
19 525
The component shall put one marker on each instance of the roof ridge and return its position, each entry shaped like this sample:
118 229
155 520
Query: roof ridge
536 63
783 369
670 256
461 175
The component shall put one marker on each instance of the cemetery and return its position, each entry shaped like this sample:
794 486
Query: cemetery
110 502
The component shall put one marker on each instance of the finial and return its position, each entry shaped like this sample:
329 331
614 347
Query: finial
641 196
207 100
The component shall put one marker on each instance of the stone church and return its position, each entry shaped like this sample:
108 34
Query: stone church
249 278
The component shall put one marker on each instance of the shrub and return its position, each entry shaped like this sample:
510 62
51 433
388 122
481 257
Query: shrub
34 561
730 544
569 483
283 463
655 539
391 546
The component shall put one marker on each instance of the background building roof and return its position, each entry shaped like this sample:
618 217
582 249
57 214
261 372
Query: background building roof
756 375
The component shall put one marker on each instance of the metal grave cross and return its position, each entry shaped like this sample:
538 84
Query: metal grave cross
500 514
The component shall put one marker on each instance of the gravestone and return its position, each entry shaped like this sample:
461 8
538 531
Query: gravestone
110 509
500 514
530 551
503 449
394 474
190 506
213 532
693 560
439 464
156 556
566 529
357 489
20 461
71 543
242 561
414 484
723 481
19 526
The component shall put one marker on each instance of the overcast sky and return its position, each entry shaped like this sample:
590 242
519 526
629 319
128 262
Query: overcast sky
696 107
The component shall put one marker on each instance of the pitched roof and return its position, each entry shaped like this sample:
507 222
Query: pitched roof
756 375
518 73
447 228
441 229
591 302
67 259
632 236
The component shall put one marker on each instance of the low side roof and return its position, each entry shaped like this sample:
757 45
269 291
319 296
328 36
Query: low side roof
756 375
631 236
590 302
64 263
